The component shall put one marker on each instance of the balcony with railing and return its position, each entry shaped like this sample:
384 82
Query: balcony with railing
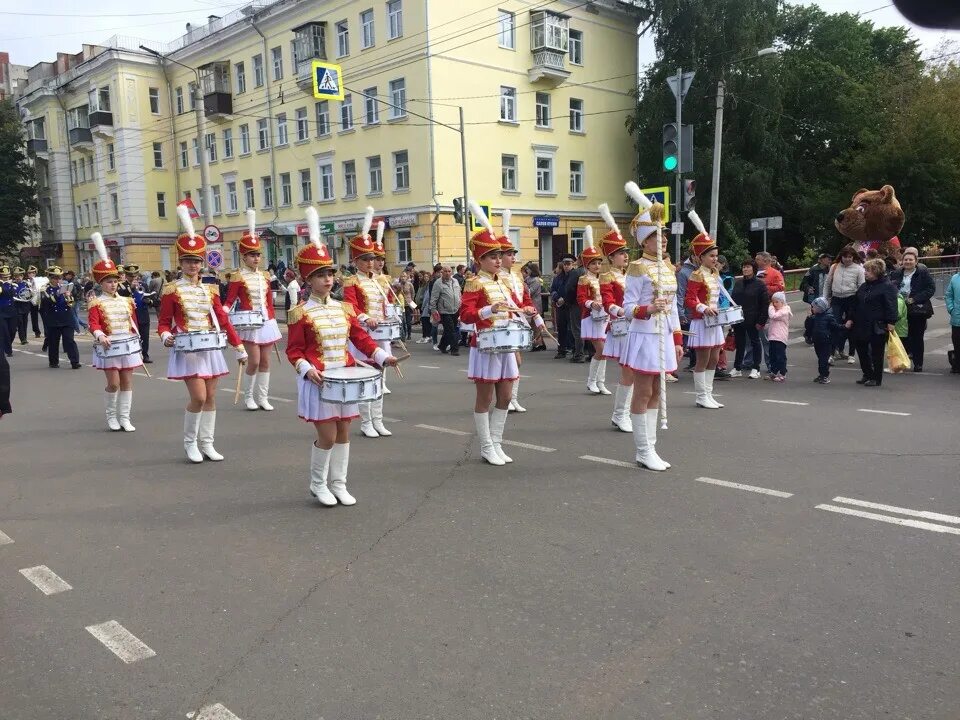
549 38
309 44
216 88
100 118
36 146
78 128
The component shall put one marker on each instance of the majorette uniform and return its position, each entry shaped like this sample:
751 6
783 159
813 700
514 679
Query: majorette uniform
703 292
612 285
592 327
319 330
371 301
250 290
113 316
393 301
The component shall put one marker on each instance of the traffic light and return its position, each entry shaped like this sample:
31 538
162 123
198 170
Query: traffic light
686 146
671 146
458 210
689 195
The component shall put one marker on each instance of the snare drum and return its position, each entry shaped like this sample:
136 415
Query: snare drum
391 312
119 347
727 316
514 336
192 342
598 314
346 385
385 330
620 326
246 319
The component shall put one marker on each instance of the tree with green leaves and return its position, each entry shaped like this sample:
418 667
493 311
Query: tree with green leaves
18 188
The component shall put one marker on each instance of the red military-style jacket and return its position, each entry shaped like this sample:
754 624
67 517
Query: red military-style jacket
182 297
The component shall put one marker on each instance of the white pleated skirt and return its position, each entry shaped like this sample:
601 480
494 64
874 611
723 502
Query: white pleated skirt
492 367
266 334
312 409
702 336
206 364
357 355
641 353
614 346
590 329
122 362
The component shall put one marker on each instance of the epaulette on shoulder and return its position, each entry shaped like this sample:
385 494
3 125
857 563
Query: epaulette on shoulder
584 279
295 313
637 268
350 281
473 285
212 290
697 275
95 302
169 288
131 302
348 309
607 277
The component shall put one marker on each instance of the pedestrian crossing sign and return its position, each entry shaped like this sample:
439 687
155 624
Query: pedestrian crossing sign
660 195
327 81
485 205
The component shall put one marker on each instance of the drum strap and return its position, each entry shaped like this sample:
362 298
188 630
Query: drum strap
213 317
723 291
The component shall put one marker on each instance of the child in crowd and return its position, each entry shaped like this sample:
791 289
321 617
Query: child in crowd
820 327
778 330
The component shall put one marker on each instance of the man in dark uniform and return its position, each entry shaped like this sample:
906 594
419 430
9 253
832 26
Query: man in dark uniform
56 306
22 301
8 311
132 287
35 304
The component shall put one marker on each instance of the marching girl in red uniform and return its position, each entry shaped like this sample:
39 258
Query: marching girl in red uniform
612 284
112 317
592 328
393 302
487 303
187 307
249 288
319 329
703 292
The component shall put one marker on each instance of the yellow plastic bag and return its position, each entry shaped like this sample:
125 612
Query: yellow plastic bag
897 358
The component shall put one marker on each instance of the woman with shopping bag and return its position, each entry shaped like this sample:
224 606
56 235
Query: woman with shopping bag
871 320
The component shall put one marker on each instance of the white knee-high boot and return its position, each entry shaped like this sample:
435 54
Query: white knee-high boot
653 417
262 393
124 403
621 409
640 438
110 406
339 462
319 467
191 424
710 374
601 377
208 426
498 419
482 422
366 420
248 388
592 377
376 417
515 405
703 397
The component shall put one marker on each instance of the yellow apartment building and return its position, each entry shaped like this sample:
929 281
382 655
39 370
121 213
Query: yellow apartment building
544 90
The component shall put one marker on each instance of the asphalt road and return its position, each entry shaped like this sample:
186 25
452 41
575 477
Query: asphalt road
557 587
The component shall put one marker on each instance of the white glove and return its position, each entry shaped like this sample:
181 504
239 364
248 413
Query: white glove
241 355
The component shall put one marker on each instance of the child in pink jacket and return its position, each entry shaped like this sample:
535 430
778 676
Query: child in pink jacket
778 330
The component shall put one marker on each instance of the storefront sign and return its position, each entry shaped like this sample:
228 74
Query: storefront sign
402 221
348 226
546 221
326 228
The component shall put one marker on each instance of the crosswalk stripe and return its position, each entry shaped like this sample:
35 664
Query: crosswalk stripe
919 524
46 580
213 712
120 641
449 431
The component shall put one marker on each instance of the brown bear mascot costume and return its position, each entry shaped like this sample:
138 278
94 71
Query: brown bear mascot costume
872 222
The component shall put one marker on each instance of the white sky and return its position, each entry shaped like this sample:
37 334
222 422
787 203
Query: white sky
34 38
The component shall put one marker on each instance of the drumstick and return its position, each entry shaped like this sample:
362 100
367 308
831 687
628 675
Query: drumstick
147 371
236 396
278 352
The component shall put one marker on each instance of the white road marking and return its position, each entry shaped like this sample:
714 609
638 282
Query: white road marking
5 539
888 519
570 381
883 412
741 486
120 641
528 446
392 420
213 712
270 397
450 431
463 370
694 392
925 514
429 367
608 461
786 402
46 580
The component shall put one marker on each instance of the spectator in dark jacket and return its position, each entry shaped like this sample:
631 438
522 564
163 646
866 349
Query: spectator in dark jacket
872 317
819 329
750 293
812 283
557 297
573 310
916 285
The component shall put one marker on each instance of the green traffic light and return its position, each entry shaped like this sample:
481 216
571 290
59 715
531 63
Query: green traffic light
670 163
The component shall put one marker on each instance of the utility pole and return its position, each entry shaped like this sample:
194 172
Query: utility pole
206 201
717 140
679 178
466 197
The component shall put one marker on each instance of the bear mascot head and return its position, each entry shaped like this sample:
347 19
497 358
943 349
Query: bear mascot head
872 221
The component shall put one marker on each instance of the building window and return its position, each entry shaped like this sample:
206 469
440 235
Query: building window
576 241
366 27
96 213
306 187
374 175
398 98
73 172
79 217
227 143
154 100
286 190
325 171
323 118
346 113
276 58
184 156
282 129
258 70
576 115
266 183
111 158
82 171
240 73
211 143
403 245
508 173
401 170
248 198
90 172
395 18
192 91
508 104
544 174
114 207
244 139
575 47
232 206
576 177
263 134
543 110
303 127
178 99
343 39
200 197
158 155
215 194
196 152
506 30
371 110
350 179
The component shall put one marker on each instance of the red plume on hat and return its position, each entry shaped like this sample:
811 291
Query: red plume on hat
189 244
105 267
250 240
313 256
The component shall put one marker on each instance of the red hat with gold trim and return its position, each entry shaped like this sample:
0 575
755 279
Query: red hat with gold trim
250 240
702 243
613 241
105 267
313 256
589 253
504 239
485 240
378 246
189 244
363 244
